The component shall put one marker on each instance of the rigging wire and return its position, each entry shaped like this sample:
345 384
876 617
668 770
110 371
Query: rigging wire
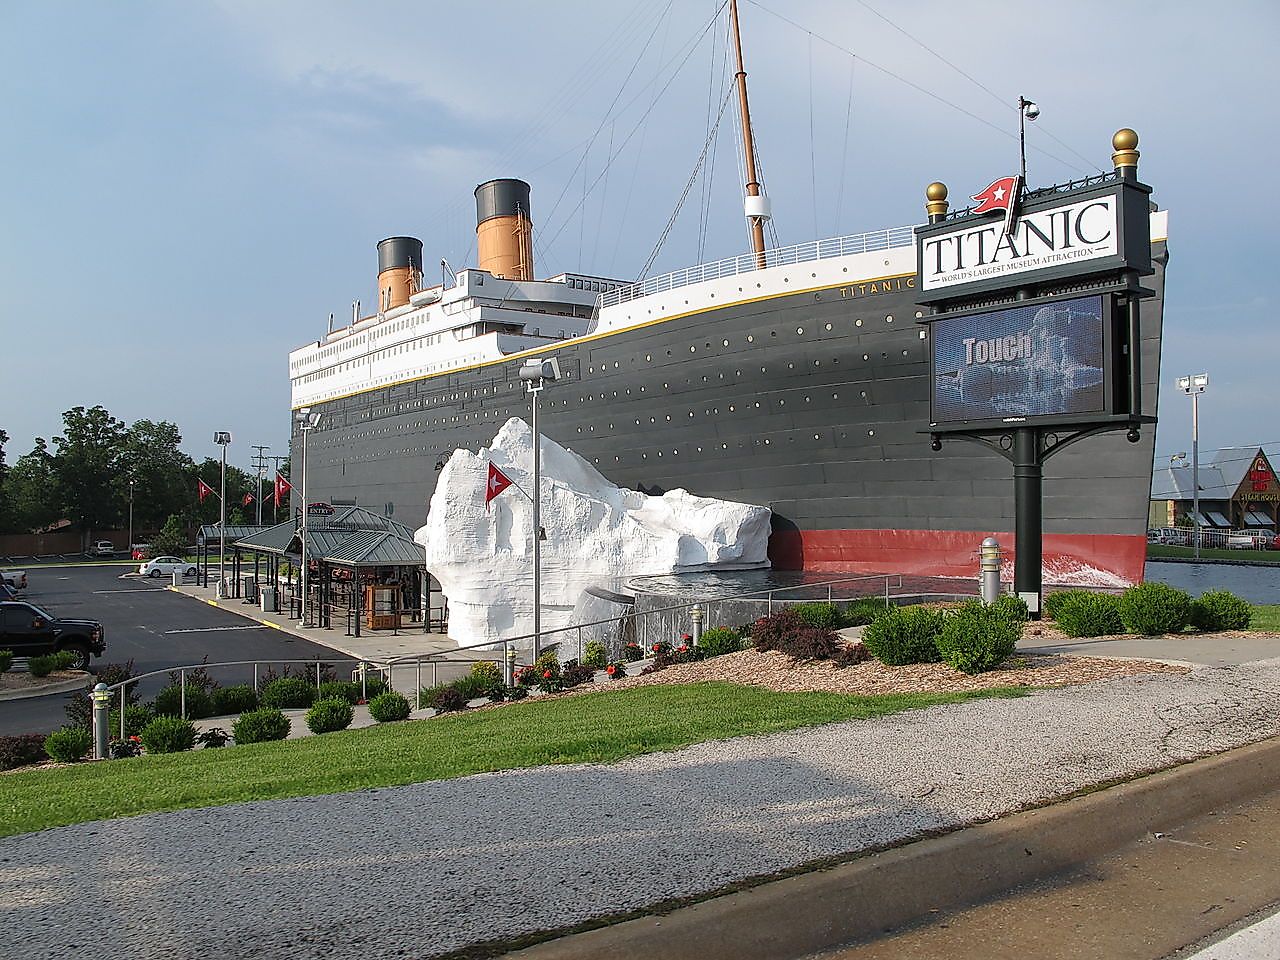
844 153
976 82
697 167
915 86
703 209
604 193
692 46
813 169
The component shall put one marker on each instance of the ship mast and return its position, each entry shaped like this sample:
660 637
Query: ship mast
756 205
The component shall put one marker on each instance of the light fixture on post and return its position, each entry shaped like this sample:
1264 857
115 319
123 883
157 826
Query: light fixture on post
1027 110
1193 386
535 374
307 420
222 438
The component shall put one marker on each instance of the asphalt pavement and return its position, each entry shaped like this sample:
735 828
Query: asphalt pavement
154 627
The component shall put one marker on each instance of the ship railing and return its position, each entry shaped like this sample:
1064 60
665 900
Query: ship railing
747 262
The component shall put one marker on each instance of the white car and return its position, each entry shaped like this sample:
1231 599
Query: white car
14 578
165 566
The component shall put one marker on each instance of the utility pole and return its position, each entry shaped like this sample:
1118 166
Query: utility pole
275 508
259 465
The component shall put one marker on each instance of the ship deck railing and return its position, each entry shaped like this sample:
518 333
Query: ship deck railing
747 262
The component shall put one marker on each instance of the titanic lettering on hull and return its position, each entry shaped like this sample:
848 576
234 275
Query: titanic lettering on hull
1076 232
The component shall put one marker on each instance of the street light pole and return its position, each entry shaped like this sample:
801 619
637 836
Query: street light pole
536 373
1193 386
1027 110
307 420
222 438
129 547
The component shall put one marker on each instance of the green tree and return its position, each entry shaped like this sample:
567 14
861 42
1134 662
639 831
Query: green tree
161 473
239 482
172 539
32 490
87 463
6 518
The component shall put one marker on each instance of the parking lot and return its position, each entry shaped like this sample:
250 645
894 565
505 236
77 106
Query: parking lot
154 627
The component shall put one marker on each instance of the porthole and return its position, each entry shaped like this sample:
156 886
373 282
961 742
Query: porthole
644 456
731 408
648 357
725 446
828 327
766 443
615 364
922 334
726 343
668 418
692 348
904 353
817 437
817 363
889 318
808 399
835 396
750 339
871 433
857 323
800 331
791 366
866 357
863 394
737 373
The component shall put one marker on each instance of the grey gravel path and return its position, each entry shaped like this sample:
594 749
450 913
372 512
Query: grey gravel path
420 870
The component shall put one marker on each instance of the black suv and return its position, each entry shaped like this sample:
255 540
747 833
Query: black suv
31 632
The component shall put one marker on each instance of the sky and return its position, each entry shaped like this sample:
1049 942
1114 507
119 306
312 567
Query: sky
192 189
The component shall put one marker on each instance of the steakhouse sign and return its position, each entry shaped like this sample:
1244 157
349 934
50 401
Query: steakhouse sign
1094 229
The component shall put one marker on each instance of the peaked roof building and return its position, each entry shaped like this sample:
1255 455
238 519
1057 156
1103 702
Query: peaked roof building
1238 490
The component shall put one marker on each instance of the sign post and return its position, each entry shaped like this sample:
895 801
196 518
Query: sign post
1034 325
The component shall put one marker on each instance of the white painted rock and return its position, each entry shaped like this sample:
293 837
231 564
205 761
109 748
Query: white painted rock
596 534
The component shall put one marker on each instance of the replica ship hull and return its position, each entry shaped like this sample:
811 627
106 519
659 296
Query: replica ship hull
813 403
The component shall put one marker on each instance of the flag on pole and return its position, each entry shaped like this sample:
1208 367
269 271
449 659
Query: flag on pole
498 481
283 486
248 499
1001 195
203 489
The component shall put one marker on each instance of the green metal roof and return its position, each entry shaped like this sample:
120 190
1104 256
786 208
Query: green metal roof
381 548
212 532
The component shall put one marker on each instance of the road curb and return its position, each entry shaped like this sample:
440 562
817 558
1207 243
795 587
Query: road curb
63 686
827 908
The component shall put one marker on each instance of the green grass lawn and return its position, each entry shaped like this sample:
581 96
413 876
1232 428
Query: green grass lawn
1158 550
591 728
1266 617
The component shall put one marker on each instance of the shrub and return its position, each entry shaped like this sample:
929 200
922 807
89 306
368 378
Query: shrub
213 738
488 674
547 661
6 660
632 652
514 693
123 749
373 685
235 699
526 676
389 706
41 666
905 635
769 633
862 611
616 670
168 702
1011 609
68 744
594 655
575 673
718 641
20 750
1084 614
472 686
447 699
136 716
819 614
261 725
287 692
1054 602
168 735
1153 608
977 637
340 690
1221 610
330 714
63 659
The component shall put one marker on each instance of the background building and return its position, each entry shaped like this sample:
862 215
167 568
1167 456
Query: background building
1238 490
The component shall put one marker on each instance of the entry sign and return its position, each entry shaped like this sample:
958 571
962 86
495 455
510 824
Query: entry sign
320 509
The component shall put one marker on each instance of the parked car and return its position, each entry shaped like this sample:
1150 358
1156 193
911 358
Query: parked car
7 592
165 566
31 631
140 551
1244 540
14 578
103 548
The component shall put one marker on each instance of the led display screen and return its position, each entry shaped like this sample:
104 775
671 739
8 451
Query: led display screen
1040 360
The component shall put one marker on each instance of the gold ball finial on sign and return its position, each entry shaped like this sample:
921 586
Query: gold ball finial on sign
936 200
1125 144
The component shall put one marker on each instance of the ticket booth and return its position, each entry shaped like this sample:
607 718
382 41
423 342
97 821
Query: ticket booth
381 607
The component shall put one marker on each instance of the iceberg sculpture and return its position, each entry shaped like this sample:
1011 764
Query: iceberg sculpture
596 534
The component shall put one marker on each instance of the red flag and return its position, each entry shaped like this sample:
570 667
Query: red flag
283 486
248 499
1001 195
498 481
203 489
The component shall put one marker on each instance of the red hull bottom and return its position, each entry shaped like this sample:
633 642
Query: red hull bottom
1109 560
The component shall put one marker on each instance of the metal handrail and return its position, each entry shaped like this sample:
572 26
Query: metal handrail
747 262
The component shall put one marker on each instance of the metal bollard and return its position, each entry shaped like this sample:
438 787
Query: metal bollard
990 576
101 703
696 616
511 665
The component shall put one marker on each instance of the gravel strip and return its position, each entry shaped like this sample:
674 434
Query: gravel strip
424 869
